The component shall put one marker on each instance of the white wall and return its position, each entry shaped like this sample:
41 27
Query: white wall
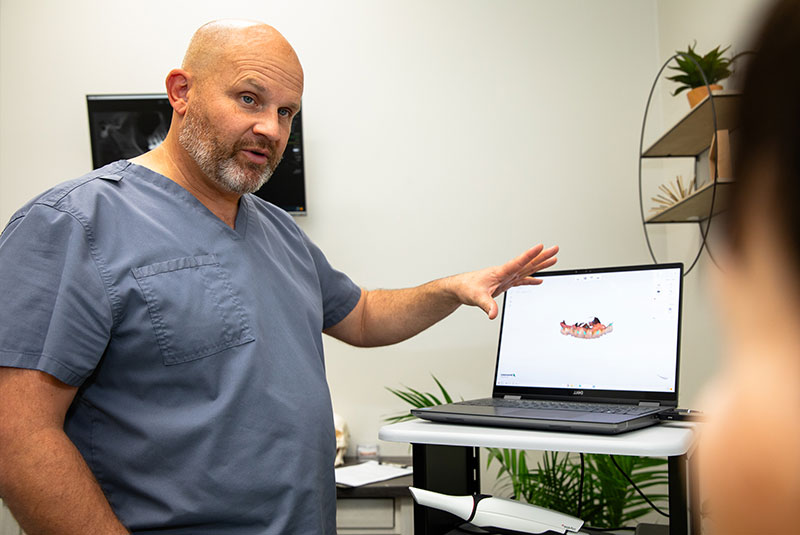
482 128
708 23
441 136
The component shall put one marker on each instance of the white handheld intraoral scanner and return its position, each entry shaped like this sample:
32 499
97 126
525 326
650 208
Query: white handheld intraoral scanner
498 514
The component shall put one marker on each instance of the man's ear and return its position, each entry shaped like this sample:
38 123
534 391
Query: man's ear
178 83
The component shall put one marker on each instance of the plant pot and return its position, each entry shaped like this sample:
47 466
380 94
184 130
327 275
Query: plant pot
699 93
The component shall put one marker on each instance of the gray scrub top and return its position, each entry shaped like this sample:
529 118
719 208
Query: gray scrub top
203 406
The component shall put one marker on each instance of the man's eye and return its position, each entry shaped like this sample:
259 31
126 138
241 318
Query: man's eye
284 112
247 99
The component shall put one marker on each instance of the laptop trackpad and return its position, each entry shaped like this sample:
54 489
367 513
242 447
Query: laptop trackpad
544 414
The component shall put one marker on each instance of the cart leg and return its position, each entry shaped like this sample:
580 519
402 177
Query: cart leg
449 470
678 496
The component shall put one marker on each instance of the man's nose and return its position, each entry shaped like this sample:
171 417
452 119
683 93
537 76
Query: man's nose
268 126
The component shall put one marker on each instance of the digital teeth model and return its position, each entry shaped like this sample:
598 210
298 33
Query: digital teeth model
499 514
592 329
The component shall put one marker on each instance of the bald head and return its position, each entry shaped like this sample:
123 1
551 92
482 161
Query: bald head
234 100
222 43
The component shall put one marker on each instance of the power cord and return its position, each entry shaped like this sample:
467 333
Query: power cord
601 531
637 489
580 489
588 530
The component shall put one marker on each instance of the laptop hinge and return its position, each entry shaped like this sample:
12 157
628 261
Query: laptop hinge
649 404
509 396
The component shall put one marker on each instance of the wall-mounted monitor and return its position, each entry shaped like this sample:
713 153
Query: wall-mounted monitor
125 126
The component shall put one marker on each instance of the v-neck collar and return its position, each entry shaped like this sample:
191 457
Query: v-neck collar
169 185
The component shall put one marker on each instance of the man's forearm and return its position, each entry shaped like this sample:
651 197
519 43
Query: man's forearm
391 316
49 488
383 317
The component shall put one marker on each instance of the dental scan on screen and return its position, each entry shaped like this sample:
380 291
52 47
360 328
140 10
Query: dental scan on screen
589 331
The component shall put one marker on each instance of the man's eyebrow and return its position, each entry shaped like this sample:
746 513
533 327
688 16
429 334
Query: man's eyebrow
255 84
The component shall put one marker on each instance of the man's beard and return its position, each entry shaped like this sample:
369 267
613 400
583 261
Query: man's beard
220 164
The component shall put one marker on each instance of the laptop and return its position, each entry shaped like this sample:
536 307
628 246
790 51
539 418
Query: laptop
588 350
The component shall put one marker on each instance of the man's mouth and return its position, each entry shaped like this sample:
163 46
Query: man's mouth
257 156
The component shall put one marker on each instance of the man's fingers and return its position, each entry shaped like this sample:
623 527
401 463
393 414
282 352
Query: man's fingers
489 306
550 262
543 260
492 312
546 254
518 264
524 278
522 281
516 272
526 263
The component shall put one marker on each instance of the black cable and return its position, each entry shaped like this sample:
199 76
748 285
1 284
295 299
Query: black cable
637 489
592 531
580 489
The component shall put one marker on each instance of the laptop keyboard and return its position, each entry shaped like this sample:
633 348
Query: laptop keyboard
559 405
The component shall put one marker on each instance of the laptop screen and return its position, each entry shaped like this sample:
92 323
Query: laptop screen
615 329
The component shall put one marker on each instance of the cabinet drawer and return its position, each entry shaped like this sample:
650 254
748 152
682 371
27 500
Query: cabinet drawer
365 513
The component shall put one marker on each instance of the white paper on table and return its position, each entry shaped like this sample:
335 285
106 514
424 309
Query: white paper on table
368 472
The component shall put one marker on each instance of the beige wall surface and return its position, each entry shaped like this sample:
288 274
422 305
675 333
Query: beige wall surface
441 136
707 23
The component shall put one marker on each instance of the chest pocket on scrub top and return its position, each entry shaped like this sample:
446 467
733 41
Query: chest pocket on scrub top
193 308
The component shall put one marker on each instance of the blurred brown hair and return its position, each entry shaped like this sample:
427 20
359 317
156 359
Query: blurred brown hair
767 156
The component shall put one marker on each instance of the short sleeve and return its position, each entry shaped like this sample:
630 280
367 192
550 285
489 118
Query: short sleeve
339 293
56 315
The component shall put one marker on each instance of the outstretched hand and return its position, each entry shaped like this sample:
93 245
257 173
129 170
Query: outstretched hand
479 288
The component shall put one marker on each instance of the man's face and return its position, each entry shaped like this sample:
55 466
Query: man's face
225 159
237 123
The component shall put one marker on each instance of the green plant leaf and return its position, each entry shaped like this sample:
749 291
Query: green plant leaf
713 64
416 399
633 514
682 78
400 418
446 396
407 397
423 399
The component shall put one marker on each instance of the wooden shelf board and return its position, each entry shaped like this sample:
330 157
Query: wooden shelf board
696 206
692 134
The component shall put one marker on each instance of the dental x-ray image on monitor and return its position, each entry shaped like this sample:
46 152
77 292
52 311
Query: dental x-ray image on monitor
125 126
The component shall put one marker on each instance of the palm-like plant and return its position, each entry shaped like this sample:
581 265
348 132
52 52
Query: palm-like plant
607 499
713 65
417 399
619 502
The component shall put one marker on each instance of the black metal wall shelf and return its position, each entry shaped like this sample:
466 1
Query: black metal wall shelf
689 138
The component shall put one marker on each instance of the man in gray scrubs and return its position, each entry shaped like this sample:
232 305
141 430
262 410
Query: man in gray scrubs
161 363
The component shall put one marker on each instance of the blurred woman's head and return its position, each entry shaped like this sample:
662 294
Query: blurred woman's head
768 156
751 450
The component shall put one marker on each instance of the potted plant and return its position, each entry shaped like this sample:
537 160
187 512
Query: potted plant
603 498
713 65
